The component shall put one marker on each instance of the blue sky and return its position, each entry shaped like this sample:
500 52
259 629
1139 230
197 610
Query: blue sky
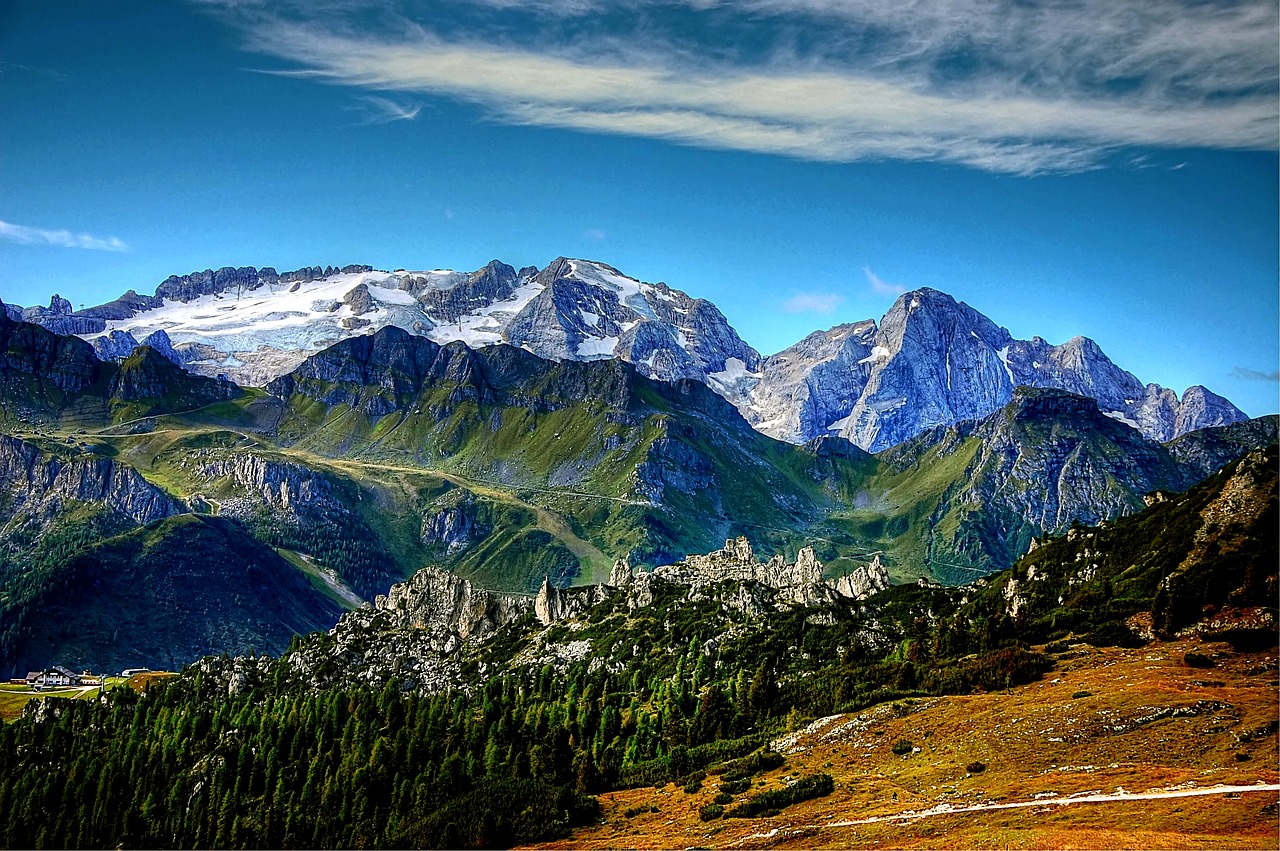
1080 167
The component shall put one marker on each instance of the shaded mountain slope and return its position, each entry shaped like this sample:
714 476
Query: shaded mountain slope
163 595
968 498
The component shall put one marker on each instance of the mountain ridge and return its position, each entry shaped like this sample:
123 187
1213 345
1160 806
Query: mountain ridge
930 360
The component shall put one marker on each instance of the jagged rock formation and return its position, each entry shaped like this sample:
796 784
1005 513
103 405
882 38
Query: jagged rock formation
800 583
935 361
419 627
864 581
447 605
40 485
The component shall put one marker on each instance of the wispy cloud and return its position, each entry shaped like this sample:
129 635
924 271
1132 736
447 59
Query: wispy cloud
880 286
812 303
1255 375
61 238
382 110
594 234
1005 86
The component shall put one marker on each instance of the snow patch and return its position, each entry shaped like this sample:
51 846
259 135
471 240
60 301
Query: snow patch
1003 354
1120 415
840 424
878 353
597 347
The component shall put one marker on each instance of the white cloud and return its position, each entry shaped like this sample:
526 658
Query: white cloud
880 286
61 238
594 234
1003 86
384 110
812 303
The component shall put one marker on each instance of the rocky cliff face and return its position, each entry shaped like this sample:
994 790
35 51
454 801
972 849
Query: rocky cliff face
935 361
277 484
40 485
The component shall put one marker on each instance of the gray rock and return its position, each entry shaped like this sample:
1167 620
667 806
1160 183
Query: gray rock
116 345
935 361
40 485
359 300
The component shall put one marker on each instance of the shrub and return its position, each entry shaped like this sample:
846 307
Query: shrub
723 798
692 786
1078 695
735 787
752 765
710 812
976 767
1057 647
1198 660
773 800
902 747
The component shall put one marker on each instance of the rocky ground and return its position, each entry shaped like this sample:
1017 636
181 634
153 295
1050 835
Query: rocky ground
1114 748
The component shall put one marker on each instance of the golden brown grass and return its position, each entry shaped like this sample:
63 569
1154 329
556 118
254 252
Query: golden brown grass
1150 723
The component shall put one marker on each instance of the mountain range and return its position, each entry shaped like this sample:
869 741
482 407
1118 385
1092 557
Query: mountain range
930 361
389 451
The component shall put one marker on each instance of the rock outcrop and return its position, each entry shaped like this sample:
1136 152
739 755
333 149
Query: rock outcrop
420 628
279 484
40 485
799 583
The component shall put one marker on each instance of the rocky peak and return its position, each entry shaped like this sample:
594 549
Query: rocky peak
935 361
466 294
1200 408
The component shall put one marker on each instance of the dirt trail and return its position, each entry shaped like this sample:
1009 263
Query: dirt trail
948 810
595 563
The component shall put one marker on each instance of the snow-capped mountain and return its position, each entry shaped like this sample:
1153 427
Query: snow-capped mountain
253 325
935 361
930 360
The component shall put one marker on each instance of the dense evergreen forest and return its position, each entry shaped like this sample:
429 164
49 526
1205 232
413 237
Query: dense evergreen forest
217 759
